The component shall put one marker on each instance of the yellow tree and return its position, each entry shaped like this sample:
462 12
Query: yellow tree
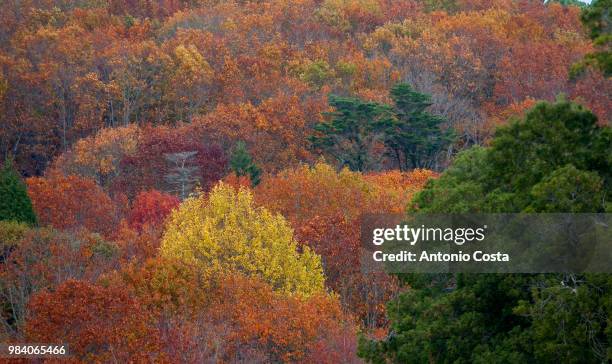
225 232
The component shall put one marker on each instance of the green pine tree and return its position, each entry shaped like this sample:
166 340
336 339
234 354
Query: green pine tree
415 137
352 132
14 201
241 163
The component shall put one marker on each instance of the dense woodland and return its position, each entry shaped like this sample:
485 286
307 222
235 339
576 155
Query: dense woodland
183 180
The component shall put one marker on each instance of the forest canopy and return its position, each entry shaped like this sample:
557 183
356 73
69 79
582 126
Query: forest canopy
184 180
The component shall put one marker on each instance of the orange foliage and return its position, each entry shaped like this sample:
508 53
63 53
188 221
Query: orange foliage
72 202
338 242
238 317
395 189
44 258
100 324
324 207
264 68
103 94
303 193
237 181
138 245
286 329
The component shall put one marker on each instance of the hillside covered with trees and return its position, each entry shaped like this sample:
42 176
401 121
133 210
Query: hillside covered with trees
183 180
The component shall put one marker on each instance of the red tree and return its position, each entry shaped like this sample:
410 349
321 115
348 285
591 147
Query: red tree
151 208
72 202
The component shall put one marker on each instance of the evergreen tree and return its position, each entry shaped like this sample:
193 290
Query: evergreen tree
241 163
357 131
14 201
596 18
414 136
353 132
555 160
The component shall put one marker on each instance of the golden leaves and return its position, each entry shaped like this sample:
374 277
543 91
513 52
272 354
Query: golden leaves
225 232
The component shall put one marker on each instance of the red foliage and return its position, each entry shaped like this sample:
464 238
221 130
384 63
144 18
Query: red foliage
147 167
151 208
72 202
45 258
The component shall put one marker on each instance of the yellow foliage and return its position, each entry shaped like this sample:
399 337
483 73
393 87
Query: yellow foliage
225 232
191 62
99 156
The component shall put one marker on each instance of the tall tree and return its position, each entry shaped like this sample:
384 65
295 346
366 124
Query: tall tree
14 201
415 136
353 132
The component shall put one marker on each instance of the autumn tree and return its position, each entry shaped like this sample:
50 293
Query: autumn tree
42 258
234 317
260 71
338 242
304 192
72 202
277 327
149 168
224 231
151 208
324 207
14 201
99 156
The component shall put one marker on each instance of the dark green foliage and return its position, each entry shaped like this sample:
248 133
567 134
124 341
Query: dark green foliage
415 136
555 160
570 322
14 201
557 144
353 132
567 189
358 133
596 18
242 164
